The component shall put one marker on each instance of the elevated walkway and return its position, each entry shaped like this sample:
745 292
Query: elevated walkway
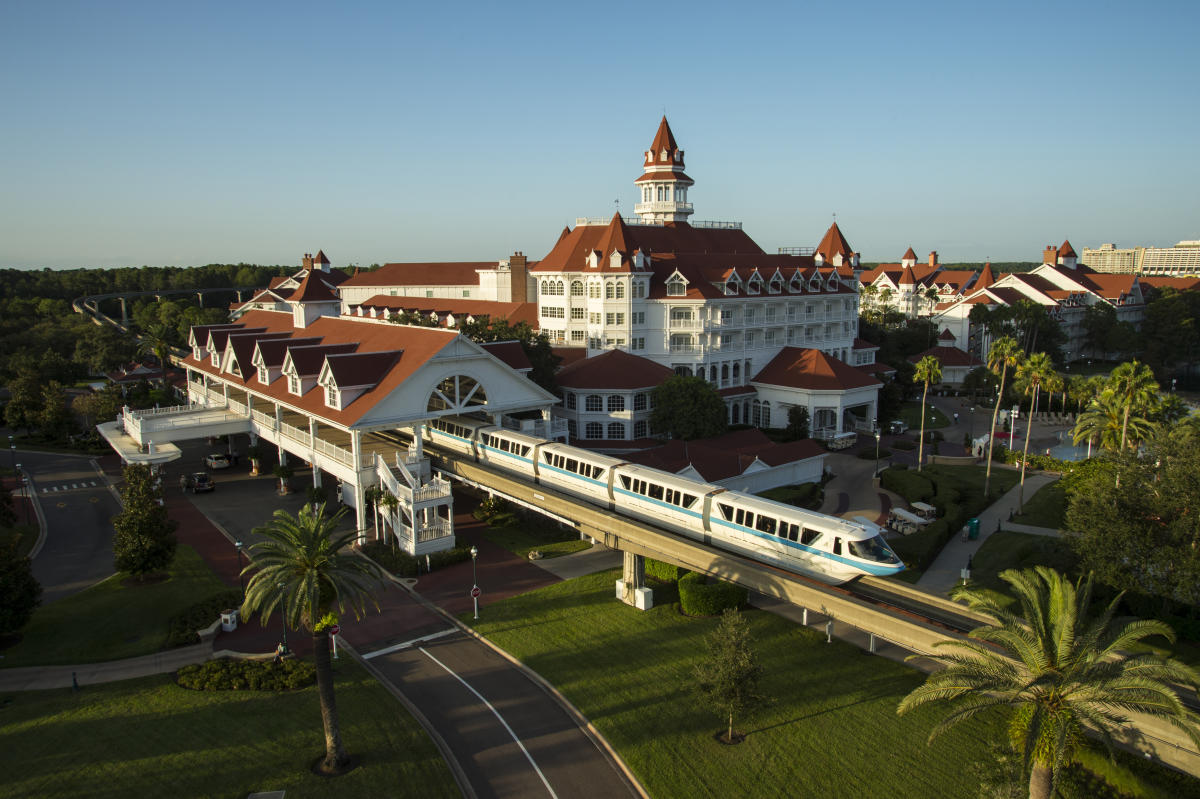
131 451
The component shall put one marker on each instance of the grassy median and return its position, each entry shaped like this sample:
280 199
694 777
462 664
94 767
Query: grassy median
149 737
831 728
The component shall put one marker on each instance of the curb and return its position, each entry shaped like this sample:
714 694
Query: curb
32 498
584 724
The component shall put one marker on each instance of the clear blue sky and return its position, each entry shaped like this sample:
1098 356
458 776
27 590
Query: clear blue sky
190 133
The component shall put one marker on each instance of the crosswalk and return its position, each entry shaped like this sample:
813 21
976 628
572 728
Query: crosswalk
69 486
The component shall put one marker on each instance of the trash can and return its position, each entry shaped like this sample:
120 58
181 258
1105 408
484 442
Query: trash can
973 529
229 620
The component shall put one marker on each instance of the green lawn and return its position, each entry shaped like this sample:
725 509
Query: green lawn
149 737
1009 550
1046 508
910 412
110 621
831 728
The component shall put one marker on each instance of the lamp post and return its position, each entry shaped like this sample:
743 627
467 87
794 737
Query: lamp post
241 582
283 618
23 481
12 444
877 437
475 581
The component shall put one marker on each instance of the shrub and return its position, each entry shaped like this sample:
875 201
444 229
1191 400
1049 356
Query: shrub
911 485
667 572
698 597
402 564
868 454
181 629
229 674
805 495
904 443
921 548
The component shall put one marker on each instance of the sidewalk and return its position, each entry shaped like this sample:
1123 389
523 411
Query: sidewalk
41 677
945 573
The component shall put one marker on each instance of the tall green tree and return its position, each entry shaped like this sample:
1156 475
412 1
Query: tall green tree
55 417
304 570
1004 354
156 341
687 407
928 372
20 592
1134 386
145 534
536 346
1058 670
1035 373
728 680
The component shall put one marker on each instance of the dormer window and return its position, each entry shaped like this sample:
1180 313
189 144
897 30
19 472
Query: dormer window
331 397
676 287
262 375
775 286
216 359
731 288
294 384
754 286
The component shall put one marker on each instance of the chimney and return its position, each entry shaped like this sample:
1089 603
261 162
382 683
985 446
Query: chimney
519 277
307 262
1050 255
933 258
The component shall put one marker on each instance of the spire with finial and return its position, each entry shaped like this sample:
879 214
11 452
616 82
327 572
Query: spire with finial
663 185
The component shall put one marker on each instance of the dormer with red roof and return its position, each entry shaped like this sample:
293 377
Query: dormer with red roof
909 258
1067 256
834 249
663 184
312 300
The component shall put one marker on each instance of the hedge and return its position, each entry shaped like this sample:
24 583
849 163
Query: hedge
869 454
228 674
181 629
402 564
920 549
910 485
667 572
698 597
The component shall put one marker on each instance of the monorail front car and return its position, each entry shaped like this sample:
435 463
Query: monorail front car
827 548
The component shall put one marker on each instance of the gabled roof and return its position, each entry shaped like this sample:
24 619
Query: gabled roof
908 254
273 351
509 311
313 289
863 345
796 367
511 352
834 243
320 258
307 360
359 369
906 277
1066 250
615 370
946 335
614 240
454 273
948 356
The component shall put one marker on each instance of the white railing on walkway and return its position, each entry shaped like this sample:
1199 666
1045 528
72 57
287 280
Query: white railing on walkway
265 419
433 530
296 434
145 412
339 454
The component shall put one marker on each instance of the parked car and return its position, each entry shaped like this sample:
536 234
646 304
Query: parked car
897 427
201 483
217 460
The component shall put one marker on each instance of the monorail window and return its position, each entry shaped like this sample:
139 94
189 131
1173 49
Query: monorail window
765 524
654 491
789 531
872 549
809 537
837 546
744 517
726 511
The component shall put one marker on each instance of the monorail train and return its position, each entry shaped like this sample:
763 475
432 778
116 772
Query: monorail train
827 548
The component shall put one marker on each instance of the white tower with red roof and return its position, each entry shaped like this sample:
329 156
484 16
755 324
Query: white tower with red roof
663 185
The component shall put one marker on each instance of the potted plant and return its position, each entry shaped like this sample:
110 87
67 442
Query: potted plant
283 472
316 496
254 452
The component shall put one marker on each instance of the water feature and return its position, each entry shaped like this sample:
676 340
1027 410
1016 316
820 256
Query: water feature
1064 450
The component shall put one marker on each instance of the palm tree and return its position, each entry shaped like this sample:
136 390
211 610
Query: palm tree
1036 373
1004 353
1060 671
1101 424
390 502
301 570
929 370
1134 385
156 341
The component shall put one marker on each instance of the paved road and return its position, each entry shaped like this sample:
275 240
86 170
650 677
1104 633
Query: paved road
78 505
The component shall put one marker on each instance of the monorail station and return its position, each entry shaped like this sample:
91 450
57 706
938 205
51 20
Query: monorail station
348 396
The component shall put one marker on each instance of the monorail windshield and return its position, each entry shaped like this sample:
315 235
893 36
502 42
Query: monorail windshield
873 549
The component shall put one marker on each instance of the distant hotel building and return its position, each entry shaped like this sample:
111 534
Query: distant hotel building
1182 259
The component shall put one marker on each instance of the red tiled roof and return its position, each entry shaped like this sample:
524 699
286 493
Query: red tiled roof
663 140
614 369
452 273
418 345
906 278
1066 251
568 355
834 243
511 352
948 356
512 312
274 350
810 369
726 456
242 345
986 278
313 290
307 360
908 254
664 175
320 258
1177 283
355 369
946 335
863 344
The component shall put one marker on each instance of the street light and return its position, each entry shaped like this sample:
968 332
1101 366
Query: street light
23 481
877 437
241 582
283 618
12 444
475 581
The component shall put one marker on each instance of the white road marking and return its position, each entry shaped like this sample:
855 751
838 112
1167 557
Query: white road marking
397 647
467 685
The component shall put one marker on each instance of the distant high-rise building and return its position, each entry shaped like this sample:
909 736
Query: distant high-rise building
1182 259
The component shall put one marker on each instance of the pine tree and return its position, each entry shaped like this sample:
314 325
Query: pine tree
145 535
729 680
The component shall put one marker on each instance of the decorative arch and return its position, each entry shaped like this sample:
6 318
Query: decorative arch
457 393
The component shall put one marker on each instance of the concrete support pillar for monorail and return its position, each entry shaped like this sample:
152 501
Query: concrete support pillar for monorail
124 311
631 588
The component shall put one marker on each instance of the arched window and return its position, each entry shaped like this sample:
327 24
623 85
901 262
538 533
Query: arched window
640 401
570 400
576 288
616 402
712 373
456 392
756 418
737 376
616 430
676 287
594 430
620 291
724 372
639 429
594 403
736 415
766 414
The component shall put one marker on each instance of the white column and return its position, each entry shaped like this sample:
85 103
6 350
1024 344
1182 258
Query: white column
418 446
360 500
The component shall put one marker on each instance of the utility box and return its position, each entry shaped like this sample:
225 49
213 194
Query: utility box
229 620
973 529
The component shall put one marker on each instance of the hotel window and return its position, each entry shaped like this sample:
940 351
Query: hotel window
616 402
616 430
554 313
726 340
466 292
609 291
639 429
262 374
639 289
578 313
676 288
576 288
726 314
331 396
293 384
638 318
572 428
570 401
595 403
594 318
620 291
577 335
594 290
639 343
594 430
769 337
428 293
639 401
